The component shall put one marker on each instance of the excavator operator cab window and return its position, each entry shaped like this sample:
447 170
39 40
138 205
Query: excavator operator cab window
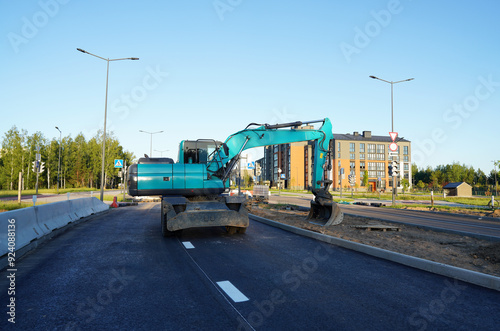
200 151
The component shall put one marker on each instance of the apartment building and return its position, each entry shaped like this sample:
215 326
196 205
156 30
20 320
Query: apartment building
355 154
352 154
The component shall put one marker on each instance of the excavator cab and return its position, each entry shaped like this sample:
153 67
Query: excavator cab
197 151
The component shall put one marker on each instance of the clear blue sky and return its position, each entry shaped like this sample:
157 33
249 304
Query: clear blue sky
208 68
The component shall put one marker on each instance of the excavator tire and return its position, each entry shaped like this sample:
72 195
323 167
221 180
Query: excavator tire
164 219
235 229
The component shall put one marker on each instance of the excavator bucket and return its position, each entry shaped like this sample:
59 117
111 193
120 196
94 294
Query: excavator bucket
325 214
324 211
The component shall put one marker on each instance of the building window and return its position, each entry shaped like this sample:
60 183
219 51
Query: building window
372 174
338 146
352 165
362 165
372 156
352 147
406 158
406 166
380 149
352 156
371 148
405 150
353 172
338 156
362 148
361 156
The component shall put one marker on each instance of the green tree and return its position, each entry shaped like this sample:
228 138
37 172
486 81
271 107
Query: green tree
365 178
13 156
421 185
80 160
405 184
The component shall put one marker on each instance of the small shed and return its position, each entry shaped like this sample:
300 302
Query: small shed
461 189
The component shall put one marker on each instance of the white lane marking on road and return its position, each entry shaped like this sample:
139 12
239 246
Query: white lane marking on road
188 244
232 291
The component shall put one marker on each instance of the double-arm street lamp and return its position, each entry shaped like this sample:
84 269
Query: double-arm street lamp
151 144
161 152
59 166
105 113
394 179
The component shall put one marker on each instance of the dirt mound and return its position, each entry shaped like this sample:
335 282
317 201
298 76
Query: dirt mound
489 253
496 213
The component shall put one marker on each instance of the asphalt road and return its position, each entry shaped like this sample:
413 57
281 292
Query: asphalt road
117 272
461 223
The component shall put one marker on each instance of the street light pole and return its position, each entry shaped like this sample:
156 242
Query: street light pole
105 113
151 141
161 152
59 166
495 163
394 178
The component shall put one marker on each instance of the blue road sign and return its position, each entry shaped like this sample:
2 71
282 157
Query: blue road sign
251 165
118 163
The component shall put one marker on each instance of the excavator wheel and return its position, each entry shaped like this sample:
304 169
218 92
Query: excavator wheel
231 229
164 218
235 229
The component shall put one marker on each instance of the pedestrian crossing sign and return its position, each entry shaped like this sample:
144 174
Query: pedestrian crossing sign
118 163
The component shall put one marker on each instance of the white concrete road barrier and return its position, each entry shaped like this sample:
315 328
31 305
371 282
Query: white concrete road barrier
32 223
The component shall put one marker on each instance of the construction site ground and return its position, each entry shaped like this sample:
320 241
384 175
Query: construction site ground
452 249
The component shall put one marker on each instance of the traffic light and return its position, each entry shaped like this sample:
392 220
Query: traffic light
390 170
395 168
258 170
42 166
34 166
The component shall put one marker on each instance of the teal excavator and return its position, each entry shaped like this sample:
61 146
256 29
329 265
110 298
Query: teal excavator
194 190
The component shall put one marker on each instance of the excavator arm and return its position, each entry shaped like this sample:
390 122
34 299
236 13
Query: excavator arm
225 158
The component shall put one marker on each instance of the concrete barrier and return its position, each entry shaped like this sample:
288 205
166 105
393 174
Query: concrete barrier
53 215
26 228
81 207
98 206
36 222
